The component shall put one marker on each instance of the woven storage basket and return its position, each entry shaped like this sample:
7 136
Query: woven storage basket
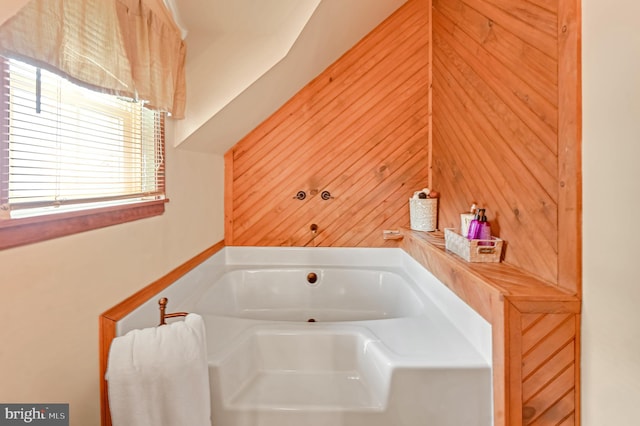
423 213
473 250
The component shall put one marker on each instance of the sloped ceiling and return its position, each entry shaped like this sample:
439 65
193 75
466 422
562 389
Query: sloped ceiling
247 57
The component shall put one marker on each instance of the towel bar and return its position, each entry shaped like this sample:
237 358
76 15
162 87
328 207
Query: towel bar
163 316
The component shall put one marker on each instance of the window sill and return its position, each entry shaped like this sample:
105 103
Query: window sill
18 232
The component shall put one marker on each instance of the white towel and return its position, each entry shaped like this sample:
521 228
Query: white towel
159 377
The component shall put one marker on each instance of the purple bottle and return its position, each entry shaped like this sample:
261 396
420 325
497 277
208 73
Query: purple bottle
474 226
484 231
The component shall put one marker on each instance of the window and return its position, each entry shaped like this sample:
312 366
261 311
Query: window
73 159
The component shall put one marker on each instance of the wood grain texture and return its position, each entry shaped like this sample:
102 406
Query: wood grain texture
570 138
17 232
549 370
360 130
534 327
506 116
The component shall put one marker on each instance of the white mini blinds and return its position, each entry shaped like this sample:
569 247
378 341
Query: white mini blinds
67 148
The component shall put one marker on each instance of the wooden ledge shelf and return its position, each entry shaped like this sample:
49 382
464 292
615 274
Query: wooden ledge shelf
535 330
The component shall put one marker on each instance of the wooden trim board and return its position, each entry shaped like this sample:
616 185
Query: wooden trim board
531 321
108 319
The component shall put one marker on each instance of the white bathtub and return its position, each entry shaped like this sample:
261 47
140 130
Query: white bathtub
389 344
286 294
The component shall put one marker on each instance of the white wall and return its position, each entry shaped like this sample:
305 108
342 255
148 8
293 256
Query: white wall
336 25
611 171
52 293
8 8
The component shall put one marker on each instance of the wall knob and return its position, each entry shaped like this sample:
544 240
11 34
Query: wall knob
325 195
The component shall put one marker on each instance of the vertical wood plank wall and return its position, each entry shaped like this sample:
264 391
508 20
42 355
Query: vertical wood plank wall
501 97
359 131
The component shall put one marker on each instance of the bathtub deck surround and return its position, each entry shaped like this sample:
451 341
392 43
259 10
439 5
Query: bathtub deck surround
385 331
526 329
535 332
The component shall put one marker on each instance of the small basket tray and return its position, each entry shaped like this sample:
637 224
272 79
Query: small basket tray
473 250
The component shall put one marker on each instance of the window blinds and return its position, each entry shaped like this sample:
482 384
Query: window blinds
64 147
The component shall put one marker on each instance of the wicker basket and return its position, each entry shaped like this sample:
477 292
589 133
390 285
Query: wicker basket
423 213
473 250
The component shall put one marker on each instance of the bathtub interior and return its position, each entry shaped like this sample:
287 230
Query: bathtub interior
334 294
362 364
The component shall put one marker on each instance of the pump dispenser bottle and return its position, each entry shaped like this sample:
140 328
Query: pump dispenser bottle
484 230
474 226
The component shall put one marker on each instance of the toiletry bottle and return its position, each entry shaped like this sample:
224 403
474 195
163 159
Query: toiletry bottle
465 220
484 231
473 226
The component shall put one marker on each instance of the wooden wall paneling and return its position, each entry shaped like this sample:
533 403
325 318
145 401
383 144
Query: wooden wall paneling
510 126
495 122
274 131
346 99
401 28
430 95
348 146
491 104
548 369
489 170
577 370
397 186
228 198
353 187
501 362
529 13
513 370
500 81
507 50
359 130
534 328
363 165
498 96
318 145
394 171
521 26
570 139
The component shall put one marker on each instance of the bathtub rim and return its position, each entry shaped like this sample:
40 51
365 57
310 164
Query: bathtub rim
182 291
214 256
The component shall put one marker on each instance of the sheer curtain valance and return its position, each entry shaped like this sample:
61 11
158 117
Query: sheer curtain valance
129 48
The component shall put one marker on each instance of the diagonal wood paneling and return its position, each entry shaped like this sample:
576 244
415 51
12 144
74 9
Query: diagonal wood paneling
548 348
359 130
495 119
504 133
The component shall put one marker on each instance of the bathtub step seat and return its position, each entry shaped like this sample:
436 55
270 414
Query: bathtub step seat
306 390
339 374
293 369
